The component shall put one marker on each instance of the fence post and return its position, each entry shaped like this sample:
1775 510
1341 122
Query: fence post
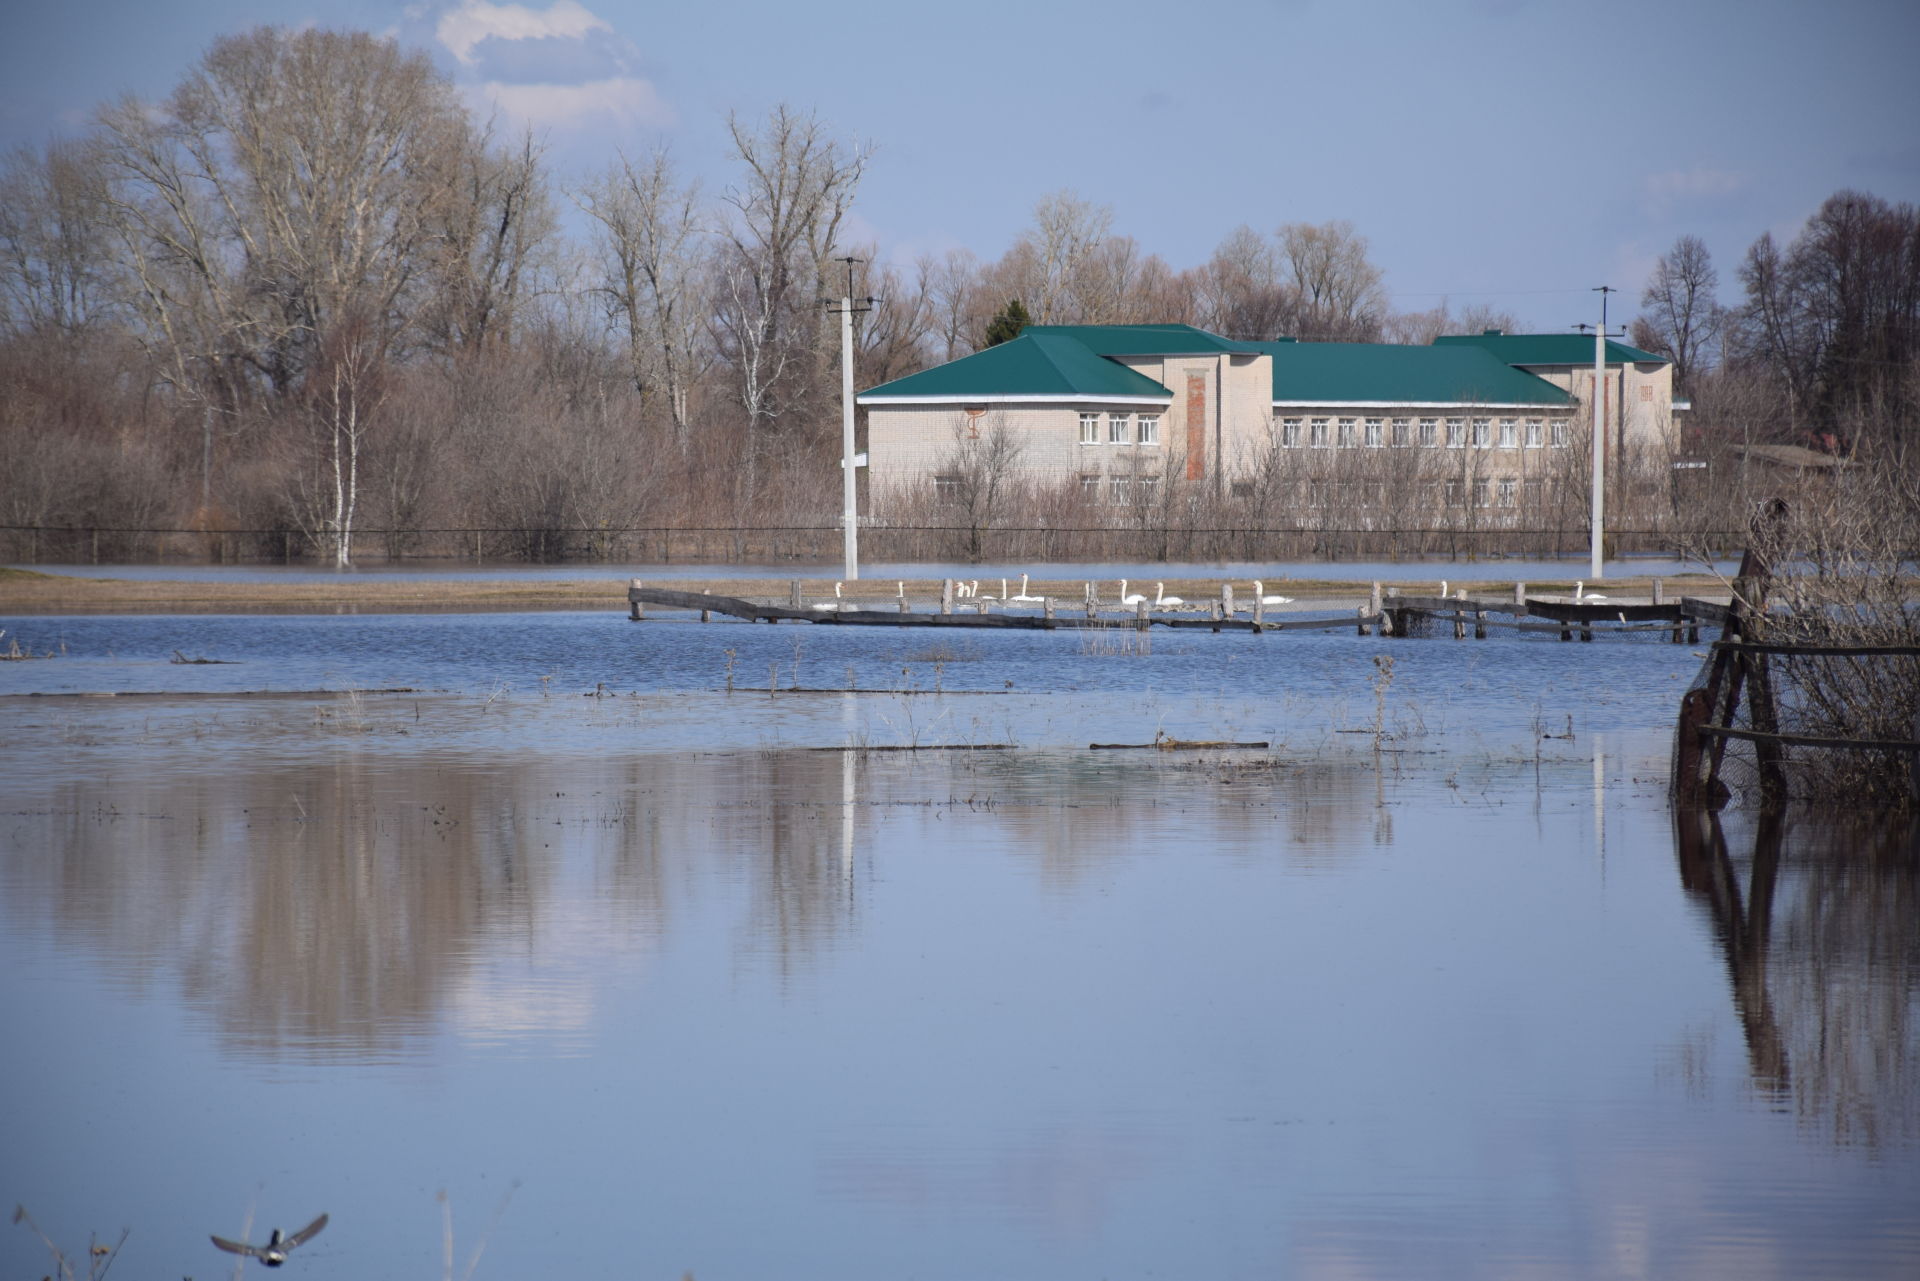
793 594
946 595
635 610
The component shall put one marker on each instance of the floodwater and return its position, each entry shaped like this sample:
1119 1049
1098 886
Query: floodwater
652 976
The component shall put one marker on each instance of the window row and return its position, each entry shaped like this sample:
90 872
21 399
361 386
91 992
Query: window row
1121 429
1430 433
1120 491
1502 491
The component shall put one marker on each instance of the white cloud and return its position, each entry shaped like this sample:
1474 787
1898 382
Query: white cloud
461 29
624 100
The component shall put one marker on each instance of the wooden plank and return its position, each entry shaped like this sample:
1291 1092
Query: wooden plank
1810 740
1566 611
1819 651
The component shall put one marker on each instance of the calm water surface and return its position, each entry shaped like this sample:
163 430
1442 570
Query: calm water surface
576 924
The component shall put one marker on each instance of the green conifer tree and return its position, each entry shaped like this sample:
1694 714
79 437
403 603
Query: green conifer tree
1007 324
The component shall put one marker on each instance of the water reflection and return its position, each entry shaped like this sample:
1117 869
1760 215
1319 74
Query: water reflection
827 1013
353 906
1815 919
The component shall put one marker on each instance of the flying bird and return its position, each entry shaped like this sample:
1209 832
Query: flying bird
275 1251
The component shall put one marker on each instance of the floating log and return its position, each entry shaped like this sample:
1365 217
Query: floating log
1172 745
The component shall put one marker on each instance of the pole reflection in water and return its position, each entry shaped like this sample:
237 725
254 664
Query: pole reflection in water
1816 925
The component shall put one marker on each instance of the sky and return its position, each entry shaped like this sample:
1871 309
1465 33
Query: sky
1510 152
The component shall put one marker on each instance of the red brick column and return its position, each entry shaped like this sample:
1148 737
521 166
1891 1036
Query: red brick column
1196 426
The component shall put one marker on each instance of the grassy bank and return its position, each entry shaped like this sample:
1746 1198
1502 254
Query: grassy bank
35 592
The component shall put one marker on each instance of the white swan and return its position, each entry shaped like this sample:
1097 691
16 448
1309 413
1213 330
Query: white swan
1023 598
835 603
1136 599
1581 595
1163 601
1260 587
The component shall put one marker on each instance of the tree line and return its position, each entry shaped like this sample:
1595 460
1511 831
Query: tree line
309 293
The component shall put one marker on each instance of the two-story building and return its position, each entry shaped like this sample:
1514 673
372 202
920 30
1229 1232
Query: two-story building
1124 410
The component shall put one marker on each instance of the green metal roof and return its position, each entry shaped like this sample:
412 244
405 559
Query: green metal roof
1072 363
1548 349
1141 340
1041 364
1384 373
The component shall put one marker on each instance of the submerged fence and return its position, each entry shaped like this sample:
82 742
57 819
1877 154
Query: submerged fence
821 543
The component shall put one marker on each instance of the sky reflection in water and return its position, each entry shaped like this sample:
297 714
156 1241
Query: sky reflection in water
1469 1007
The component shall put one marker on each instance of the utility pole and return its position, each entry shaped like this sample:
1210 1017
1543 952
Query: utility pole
1597 535
849 490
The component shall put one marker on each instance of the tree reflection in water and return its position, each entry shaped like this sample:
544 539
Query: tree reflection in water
1817 925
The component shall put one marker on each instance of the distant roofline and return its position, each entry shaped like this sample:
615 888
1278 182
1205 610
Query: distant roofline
1427 404
1004 398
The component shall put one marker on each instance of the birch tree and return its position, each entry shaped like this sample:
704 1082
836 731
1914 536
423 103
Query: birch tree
785 215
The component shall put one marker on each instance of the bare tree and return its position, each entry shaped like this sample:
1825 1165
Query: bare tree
1338 290
344 395
951 284
978 479
55 264
1238 291
484 242
1683 316
1420 328
649 275
797 185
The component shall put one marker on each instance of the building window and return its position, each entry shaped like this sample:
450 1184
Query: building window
1089 429
1456 433
1290 433
1090 489
1316 493
1149 489
1376 432
946 490
1533 433
1242 489
1118 490
1402 432
1509 493
1348 427
1482 432
1559 434
1317 433
1453 493
1509 434
1149 429
1119 430
1429 432
1482 493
